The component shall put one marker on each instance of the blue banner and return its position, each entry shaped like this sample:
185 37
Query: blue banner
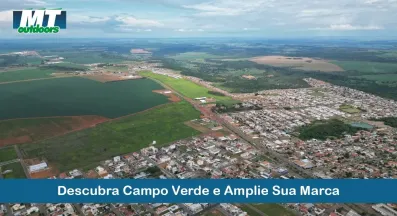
199 191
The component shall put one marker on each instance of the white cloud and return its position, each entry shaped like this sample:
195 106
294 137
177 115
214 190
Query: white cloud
317 13
126 29
189 30
251 29
228 7
349 27
87 19
6 16
35 3
210 10
135 22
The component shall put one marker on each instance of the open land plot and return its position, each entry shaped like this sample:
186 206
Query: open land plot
110 77
268 209
214 212
194 56
122 69
17 131
86 148
25 74
77 96
301 63
139 51
16 169
347 108
185 87
87 57
7 154
367 67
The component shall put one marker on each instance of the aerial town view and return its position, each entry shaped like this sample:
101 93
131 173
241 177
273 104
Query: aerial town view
188 105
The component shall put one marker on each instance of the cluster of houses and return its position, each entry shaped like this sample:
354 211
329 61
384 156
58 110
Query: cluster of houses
374 106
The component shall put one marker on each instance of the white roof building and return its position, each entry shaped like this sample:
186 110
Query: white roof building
38 167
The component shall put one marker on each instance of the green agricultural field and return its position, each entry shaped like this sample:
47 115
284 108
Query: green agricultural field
367 67
17 171
268 209
381 77
86 148
25 74
86 57
42 128
78 96
7 154
185 87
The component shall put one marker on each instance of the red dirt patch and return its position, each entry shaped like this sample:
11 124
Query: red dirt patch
52 128
51 171
15 140
91 174
111 77
47 173
216 134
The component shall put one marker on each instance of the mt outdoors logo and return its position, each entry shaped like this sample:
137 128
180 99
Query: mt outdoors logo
39 21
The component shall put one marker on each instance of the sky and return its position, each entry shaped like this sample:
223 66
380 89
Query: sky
215 18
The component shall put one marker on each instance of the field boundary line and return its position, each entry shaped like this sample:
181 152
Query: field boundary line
108 121
29 80
52 117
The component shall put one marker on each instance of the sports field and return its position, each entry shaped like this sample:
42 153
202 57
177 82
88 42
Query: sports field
347 108
185 87
25 74
16 171
77 96
7 154
86 148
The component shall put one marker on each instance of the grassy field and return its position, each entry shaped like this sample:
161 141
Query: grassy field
87 147
25 74
77 96
367 67
17 171
7 153
347 108
185 87
269 209
381 77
